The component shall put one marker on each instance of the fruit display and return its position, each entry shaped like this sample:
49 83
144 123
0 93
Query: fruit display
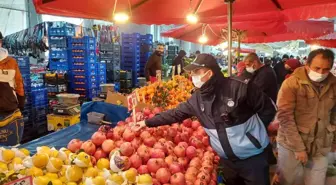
178 154
166 95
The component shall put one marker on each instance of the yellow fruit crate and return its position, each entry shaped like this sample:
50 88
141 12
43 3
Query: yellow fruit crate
58 122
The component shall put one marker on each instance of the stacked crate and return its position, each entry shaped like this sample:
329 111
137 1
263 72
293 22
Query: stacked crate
131 56
57 39
145 51
172 53
110 55
83 66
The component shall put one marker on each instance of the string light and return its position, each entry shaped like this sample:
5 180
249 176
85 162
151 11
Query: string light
192 18
121 17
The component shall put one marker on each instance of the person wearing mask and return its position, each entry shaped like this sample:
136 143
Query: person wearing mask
291 65
154 64
262 75
280 70
234 114
179 61
11 94
307 118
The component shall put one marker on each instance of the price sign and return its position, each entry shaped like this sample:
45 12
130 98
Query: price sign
132 101
23 181
173 71
179 69
158 75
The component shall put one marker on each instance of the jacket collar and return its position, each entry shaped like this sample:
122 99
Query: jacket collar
302 75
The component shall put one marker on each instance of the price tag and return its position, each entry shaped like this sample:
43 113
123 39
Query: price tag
132 101
158 75
60 111
179 69
173 71
23 181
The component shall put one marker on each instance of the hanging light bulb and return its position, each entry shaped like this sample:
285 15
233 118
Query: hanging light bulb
192 18
203 39
121 17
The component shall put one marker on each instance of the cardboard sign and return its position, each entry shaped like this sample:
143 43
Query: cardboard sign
179 69
119 99
173 71
23 181
158 75
132 101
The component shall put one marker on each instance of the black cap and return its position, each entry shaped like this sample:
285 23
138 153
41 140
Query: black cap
285 56
202 60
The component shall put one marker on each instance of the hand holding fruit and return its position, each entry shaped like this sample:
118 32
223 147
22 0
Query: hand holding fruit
138 126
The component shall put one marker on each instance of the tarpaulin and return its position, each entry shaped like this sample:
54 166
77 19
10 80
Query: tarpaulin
175 11
326 41
253 31
83 130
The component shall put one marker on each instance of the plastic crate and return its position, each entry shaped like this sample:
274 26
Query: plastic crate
90 53
57 41
147 37
102 77
130 35
39 111
58 54
91 59
61 31
101 72
62 66
39 95
106 56
106 47
77 53
23 62
25 71
128 57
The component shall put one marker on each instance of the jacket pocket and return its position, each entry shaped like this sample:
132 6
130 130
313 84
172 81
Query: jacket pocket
253 140
8 101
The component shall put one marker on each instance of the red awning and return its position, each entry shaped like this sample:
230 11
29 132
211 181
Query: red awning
254 32
326 41
175 11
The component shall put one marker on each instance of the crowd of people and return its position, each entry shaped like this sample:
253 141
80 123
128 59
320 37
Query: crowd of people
237 111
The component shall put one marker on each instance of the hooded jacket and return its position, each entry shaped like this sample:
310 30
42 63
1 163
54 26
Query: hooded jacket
234 114
307 115
11 84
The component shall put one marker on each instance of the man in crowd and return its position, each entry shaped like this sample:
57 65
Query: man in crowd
234 114
178 62
11 93
280 70
154 64
197 53
263 75
307 117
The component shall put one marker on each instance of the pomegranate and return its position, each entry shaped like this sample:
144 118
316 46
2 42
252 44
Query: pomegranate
170 159
161 146
172 132
143 169
153 165
117 134
200 182
157 110
180 151
204 176
89 147
98 138
146 111
177 179
163 175
126 149
108 145
155 181
195 125
99 154
195 162
184 136
74 145
174 168
104 128
183 161
135 161
121 123
190 177
150 141
128 135
109 134
157 153
187 123
192 171
191 152
195 142
145 134
184 144
151 116
136 142
127 162
118 143
177 139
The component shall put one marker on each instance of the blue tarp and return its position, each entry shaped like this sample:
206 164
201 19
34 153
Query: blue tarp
83 130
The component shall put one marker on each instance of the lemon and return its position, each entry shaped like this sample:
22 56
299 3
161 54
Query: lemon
34 171
52 175
53 153
99 180
43 149
41 180
63 179
25 151
130 175
103 163
3 167
91 172
54 164
118 179
71 183
7 155
56 182
73 173
17 160
145 179
40 160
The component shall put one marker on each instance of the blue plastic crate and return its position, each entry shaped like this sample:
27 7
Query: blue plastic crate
78 72
58 54
84 40
91 59
39 121
101 66
61 31
77 53
128 57
147 37
130 35
23 62
39 111
57 41
117 86
54 65
101 72
90 53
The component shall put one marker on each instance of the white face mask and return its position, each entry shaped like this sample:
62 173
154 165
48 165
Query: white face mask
197 80
250 69
317 77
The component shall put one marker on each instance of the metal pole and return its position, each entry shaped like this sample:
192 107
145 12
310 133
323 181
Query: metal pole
229 11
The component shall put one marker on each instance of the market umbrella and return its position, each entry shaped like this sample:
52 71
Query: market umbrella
326 41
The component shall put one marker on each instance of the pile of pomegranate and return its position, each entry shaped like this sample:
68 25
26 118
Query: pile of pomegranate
178 154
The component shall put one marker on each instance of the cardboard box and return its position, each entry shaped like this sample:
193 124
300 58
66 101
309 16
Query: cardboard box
119 99
58 122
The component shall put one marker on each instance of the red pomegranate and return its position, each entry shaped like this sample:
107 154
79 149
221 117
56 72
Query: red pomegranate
100 154
191 152
98 138
150 141
204 177
136 161
104 128
157 153
172 132
128 135
109 134
187 123
177 179
184 144
177 139
145 134
136 142
143 169
170 159
180 151
126 149
183 161
195 142
161 146
108 145
89 147
175 168
195 125
146 111
74 145
153 165
157 110
163 175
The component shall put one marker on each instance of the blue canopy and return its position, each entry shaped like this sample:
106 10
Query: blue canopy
83 130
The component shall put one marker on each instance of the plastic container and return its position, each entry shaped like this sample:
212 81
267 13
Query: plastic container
106 87
68 99
142 81
95 117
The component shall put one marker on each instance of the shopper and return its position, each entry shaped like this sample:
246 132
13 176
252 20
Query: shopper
291 65
178 62
154 64
11 97
306 113
234 114
262 75
280 70
197 53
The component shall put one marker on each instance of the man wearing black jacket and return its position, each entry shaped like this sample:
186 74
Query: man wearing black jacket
234 114
280 70
154 64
